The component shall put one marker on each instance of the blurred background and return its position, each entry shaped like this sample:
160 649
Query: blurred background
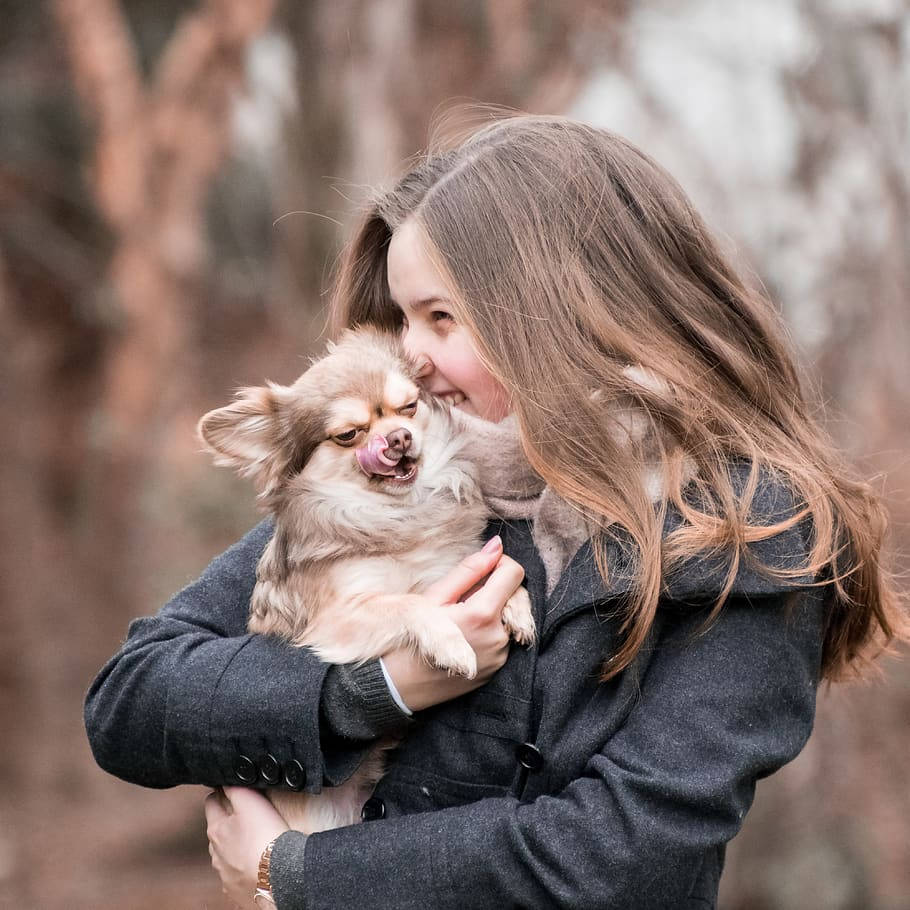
176 179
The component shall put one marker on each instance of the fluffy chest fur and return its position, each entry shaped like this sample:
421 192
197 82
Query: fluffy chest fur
334 549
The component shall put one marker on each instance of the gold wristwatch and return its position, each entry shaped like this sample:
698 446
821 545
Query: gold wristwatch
263 895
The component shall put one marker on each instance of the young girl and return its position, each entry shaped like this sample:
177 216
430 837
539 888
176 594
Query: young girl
697 556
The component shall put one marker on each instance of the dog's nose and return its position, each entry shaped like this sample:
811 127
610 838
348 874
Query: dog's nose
399 441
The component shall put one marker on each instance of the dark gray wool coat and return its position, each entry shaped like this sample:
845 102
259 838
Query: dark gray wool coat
544 788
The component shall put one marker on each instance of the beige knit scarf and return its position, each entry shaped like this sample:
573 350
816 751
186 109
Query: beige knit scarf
512 490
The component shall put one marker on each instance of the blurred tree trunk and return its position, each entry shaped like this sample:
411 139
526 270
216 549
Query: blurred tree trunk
157 149
373 74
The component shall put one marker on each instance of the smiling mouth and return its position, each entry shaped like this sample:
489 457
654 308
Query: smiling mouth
453 398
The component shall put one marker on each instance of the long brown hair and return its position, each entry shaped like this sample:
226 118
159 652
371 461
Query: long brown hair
571 255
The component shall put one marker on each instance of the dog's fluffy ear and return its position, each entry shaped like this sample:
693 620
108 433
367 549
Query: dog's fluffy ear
255 435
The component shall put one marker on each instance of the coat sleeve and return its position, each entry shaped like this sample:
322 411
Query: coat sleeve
191 694
716 712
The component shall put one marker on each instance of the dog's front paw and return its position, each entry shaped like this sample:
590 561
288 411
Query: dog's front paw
443 645
518 618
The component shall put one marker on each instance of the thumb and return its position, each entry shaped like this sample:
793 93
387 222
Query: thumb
216 807
467 573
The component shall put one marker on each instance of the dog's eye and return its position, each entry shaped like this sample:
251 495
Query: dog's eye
409 410
345 439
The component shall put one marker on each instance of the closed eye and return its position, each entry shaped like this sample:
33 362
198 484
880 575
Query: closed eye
409 410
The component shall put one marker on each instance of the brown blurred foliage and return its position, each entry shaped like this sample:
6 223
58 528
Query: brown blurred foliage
146 151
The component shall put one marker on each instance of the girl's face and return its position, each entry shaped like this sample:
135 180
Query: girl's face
450 367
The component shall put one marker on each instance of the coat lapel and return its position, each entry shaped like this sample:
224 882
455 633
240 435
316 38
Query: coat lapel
581 586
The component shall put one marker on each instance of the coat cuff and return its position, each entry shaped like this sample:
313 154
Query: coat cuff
286 871
256 713
405 862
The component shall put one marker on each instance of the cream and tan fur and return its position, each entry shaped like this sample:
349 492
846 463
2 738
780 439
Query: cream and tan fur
352 552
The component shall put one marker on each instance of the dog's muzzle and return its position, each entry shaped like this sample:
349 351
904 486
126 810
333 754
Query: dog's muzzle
382 454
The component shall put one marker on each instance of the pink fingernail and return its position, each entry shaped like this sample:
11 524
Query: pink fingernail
494 543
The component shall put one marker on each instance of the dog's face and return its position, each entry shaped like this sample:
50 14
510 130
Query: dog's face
355 420
374 427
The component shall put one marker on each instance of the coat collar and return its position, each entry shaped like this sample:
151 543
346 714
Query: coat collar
699 579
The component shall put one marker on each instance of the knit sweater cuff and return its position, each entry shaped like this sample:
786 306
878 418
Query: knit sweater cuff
356 702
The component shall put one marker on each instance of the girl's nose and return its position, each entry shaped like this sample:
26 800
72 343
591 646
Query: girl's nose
412 342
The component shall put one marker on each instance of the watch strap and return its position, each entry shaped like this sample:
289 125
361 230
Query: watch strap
263 880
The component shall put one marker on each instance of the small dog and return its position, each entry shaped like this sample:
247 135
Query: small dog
373 500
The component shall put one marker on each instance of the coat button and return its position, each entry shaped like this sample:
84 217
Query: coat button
373 809
245 770
529 756
294 775
270 769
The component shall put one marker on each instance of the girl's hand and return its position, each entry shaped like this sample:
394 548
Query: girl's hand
480 620
241 823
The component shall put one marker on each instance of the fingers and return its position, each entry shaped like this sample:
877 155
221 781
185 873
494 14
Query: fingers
215 815
500 586
467 573
484 608
243 799
236 796
216 807
254 805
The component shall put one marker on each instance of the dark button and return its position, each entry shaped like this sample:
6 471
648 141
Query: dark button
529 756
373 809
270 769
294 775
245 770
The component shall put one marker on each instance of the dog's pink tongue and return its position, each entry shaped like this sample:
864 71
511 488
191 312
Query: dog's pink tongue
372 457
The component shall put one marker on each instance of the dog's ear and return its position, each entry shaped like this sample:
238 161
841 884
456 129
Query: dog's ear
256 435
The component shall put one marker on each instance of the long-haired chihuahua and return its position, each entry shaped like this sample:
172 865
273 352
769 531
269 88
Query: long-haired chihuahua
373 500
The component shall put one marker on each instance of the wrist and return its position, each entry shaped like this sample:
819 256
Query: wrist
419 685
407 674
393 689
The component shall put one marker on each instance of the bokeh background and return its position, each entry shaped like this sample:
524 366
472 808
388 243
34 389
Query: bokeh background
176 180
